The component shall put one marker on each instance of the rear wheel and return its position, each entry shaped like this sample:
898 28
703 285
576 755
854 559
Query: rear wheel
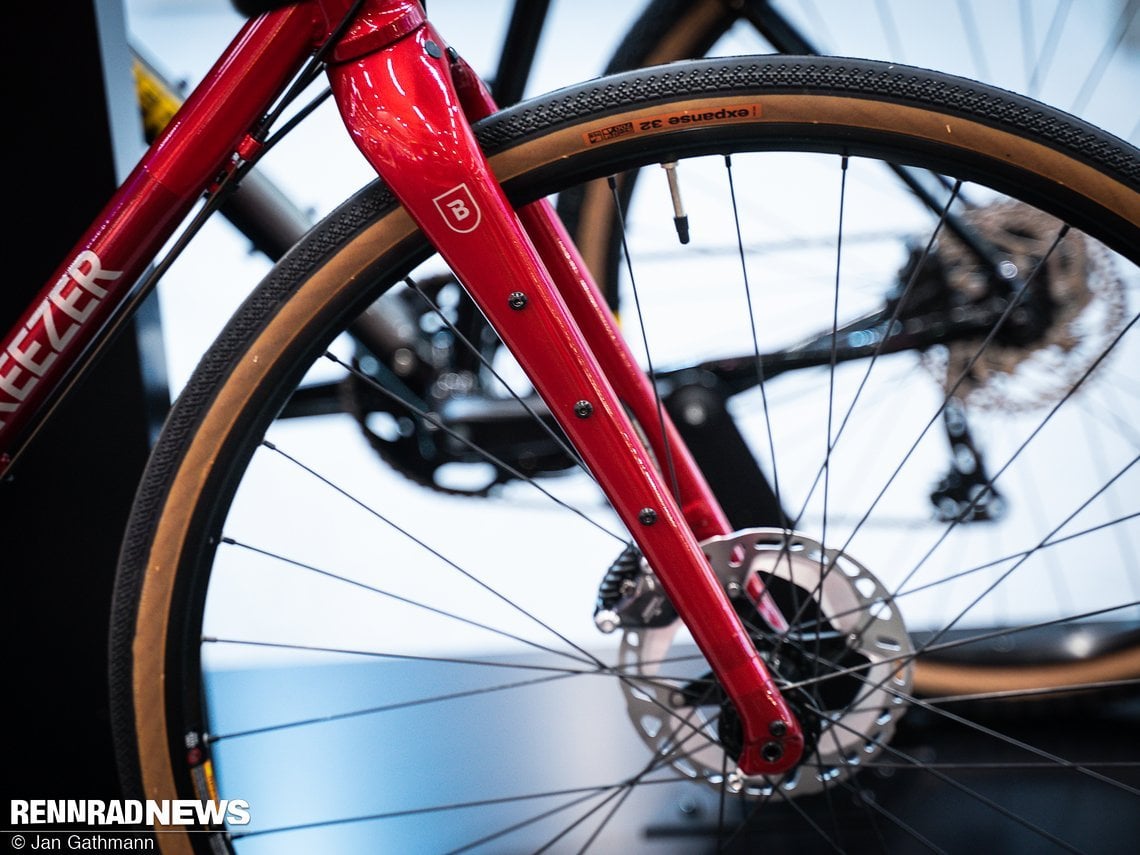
926 438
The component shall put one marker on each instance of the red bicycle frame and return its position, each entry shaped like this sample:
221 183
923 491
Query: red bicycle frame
408 101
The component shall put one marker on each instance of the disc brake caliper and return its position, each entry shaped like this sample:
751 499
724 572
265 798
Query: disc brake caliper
631 597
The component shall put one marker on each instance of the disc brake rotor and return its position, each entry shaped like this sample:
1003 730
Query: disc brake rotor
1073 289
844 666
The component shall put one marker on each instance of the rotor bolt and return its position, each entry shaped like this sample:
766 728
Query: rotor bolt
734 781
771 751
778 728
583 409
516 300
734 589
647 516
607 621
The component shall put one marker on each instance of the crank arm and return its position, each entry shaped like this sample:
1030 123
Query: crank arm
400 105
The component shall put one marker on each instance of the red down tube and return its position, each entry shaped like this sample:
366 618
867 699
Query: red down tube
41 352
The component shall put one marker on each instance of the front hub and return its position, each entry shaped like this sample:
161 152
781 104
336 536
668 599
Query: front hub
844 665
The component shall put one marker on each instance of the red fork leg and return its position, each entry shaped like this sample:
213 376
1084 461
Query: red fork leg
634 389
588 307
402 110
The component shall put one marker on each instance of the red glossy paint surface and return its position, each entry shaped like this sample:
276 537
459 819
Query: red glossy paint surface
406 118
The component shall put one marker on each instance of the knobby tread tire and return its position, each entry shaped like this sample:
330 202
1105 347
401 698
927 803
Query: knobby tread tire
823 76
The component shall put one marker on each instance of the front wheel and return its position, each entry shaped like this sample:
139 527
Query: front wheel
379 624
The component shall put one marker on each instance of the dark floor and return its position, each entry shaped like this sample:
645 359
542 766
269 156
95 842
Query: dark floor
956 810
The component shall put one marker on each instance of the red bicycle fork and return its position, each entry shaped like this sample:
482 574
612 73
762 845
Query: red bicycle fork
392 78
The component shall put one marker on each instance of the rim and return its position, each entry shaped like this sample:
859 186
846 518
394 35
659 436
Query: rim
544 550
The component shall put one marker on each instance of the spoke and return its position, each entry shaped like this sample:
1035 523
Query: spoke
670 468
1054 759
828 787
1111 46
722 800
830 389
776 789
606 820
794 805
620 790
486 455
1123 547
432 551
835 721
1013 301
1047 759
518 826
1054 571
229 541
822 471
755 336
975 41
400 657
761 803
434 809
619 793
813 595
1005 575
486 363
385 708
1028 36
1044 60
889 326
989 484
1013 556
586 658
941 647
890 31
894 819
970 792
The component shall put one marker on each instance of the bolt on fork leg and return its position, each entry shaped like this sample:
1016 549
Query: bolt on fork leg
400 105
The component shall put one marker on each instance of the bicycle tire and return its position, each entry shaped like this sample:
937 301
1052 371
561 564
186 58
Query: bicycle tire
665 31
844 106
672 30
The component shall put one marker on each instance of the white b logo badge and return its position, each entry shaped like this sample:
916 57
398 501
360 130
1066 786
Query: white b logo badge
458 209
